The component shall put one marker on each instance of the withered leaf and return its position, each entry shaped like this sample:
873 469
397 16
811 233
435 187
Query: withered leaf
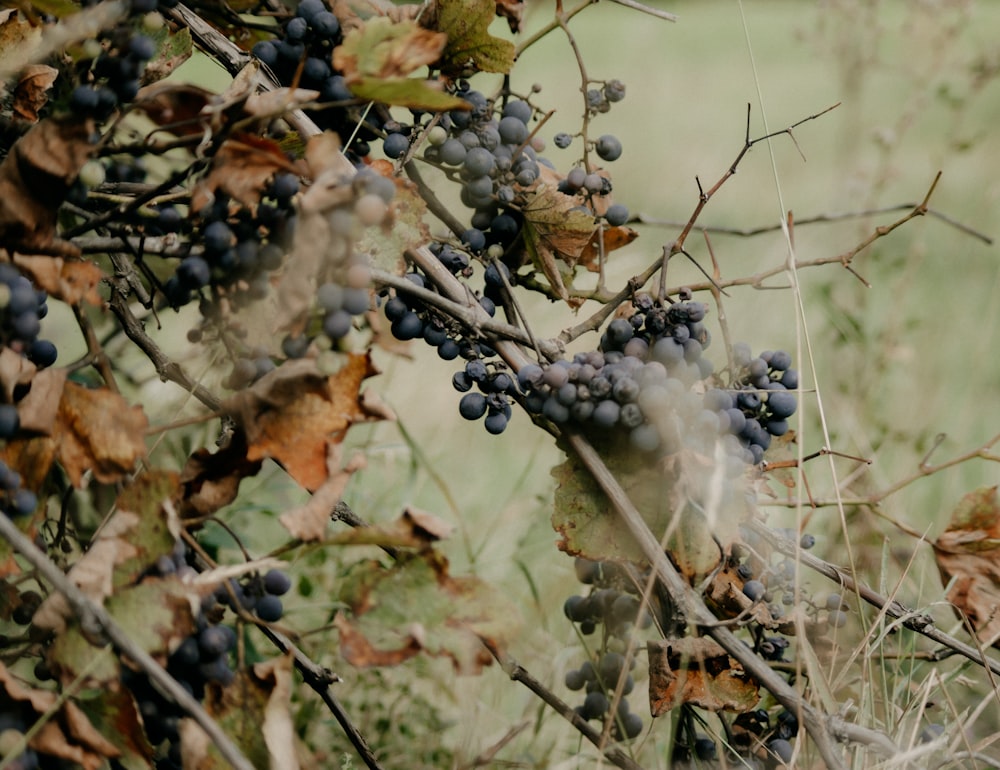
175 107
212 481
241 169
255 710
100 432
417 606
39 409
72 281
513 11
612 237
308 522
294 413
968 558
15 371
93 573
556 232
697 671
470 45
31 91
67 734
385 49
35 179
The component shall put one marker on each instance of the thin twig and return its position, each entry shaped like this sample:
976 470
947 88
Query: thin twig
518 673
95 618
921 623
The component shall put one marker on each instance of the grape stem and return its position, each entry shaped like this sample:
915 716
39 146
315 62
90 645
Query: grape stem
692 609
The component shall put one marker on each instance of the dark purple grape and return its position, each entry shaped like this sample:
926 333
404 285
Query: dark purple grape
472 406
277 582
269 608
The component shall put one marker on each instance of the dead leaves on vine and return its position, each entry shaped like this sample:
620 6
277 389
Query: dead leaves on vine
697 671
416 606
968 558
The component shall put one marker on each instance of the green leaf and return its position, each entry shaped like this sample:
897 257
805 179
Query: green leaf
470 45
670 496
415 606
152 537
172 50
156 615
407 92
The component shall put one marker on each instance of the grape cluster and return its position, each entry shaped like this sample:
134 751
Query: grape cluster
640 384
22 308
204 657
110 70
15 500
613 604
491 400
307 41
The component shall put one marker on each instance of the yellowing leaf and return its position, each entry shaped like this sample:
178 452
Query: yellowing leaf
408 92
470 45
385 49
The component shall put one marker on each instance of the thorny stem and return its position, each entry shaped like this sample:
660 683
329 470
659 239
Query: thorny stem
97 620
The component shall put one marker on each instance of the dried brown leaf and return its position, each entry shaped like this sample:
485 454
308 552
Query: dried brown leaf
100 432
15 371
72 281
308 522
697 671
513 11
94 571
385 49
35 179
31 92
212 481
39 409
968 558
241 169
66 734
294 413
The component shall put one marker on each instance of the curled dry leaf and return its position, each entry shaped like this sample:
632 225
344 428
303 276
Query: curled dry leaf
31 91
35 179
697 671
255 710
968 558
72 281
212 481
308 522
294 413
